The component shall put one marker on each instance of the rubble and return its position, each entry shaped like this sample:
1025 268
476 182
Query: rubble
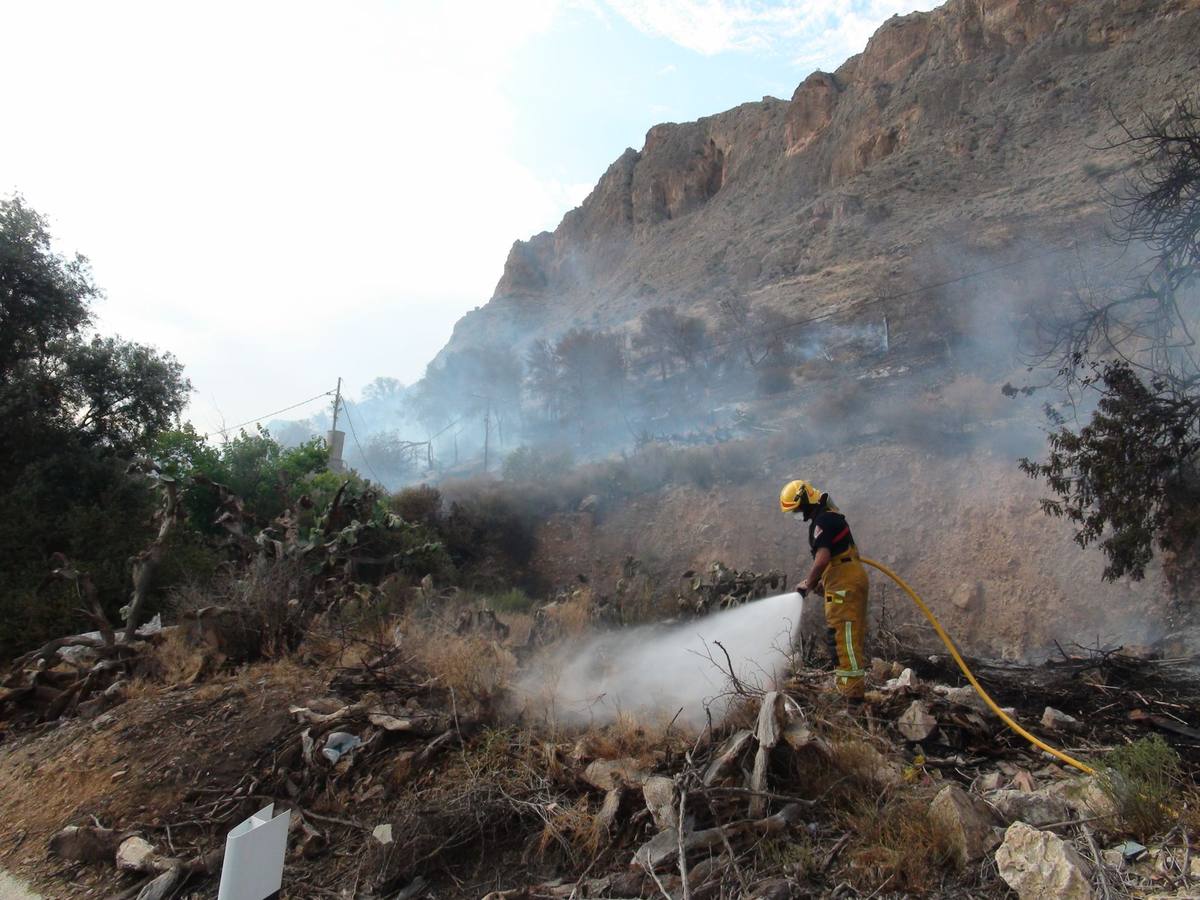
1038 808
966 822
916 724
905 681
136 854
1056 720
1039 864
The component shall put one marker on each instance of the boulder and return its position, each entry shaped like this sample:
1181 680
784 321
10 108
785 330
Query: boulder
662 799
1038 808
607 774
1038 864
966 822
916 723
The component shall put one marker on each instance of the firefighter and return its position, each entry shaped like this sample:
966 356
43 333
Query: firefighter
836 570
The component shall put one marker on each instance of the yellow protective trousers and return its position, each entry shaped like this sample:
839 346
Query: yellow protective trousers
846 586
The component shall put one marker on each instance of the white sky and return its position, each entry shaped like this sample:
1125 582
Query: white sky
283 192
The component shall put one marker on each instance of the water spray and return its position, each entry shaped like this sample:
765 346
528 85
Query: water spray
686 670
683 670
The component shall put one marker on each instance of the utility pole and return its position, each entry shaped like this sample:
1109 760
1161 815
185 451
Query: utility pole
336 439
487 432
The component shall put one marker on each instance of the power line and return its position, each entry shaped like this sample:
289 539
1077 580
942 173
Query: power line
354 434
225 431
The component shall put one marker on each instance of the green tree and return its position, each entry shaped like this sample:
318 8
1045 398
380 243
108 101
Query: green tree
76 408
1127 475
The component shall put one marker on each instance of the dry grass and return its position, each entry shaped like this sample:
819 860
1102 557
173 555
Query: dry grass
897 843
519 624
572 830
646 739
472 666
573 616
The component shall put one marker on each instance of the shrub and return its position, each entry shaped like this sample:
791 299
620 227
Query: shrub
422 504
515 600
774 380
1141 779
534 463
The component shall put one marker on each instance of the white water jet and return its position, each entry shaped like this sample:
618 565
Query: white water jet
655 671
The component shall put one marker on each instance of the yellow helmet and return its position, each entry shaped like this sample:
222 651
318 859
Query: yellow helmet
797 495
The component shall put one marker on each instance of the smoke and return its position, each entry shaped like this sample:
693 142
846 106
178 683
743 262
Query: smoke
654 672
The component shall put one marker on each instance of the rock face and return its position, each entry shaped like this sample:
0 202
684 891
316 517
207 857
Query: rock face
1039 865
965 119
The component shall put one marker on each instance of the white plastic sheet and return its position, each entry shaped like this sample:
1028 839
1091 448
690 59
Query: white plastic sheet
253 867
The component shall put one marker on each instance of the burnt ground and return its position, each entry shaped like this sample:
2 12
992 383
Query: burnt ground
479 803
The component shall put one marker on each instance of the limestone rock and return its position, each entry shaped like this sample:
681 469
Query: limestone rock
138 855
1084 796
662 799
966 821
1057 720
607 774
967 595
906 680
916 723
1038 864
1038 808
962 696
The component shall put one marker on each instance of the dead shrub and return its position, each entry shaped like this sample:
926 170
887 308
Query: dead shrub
471 666
897 844
642 737
421 504
573 830
572 617
256 613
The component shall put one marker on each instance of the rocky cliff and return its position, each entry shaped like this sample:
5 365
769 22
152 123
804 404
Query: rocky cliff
984 121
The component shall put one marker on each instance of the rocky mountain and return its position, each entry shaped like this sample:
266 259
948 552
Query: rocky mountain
961 130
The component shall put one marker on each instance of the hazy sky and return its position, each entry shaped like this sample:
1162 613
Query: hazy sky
280 193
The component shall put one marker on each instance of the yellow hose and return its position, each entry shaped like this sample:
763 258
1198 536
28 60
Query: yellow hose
1007 719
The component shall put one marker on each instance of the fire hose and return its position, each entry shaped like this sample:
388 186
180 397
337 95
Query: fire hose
941 632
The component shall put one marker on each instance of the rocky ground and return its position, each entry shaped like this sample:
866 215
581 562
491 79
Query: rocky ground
442 786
